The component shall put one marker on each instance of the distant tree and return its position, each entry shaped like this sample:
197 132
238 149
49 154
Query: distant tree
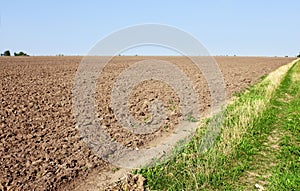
6 53
20 54
298 55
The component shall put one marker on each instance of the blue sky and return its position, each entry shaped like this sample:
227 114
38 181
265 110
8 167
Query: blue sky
224 27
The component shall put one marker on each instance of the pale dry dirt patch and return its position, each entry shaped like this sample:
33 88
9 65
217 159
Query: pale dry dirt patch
263 163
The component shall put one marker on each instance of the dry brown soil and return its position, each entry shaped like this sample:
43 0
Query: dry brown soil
40 147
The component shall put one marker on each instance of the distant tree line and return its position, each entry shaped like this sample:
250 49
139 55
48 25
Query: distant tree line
7 53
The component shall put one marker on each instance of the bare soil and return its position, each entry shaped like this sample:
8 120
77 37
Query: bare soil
40 147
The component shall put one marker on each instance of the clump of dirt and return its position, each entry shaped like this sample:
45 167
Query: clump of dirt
129 182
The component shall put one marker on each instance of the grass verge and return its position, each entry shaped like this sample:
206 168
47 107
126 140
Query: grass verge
246 126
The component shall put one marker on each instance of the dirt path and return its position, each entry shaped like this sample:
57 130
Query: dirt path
263 164
277 150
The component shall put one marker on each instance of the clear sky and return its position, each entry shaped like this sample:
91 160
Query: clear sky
224 27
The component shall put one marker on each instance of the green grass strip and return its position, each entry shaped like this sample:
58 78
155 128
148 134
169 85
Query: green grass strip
247 123
286 105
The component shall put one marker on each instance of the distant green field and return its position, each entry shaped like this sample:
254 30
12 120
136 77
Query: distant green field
258 147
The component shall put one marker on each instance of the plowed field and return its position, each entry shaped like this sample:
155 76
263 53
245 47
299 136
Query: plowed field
41 149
